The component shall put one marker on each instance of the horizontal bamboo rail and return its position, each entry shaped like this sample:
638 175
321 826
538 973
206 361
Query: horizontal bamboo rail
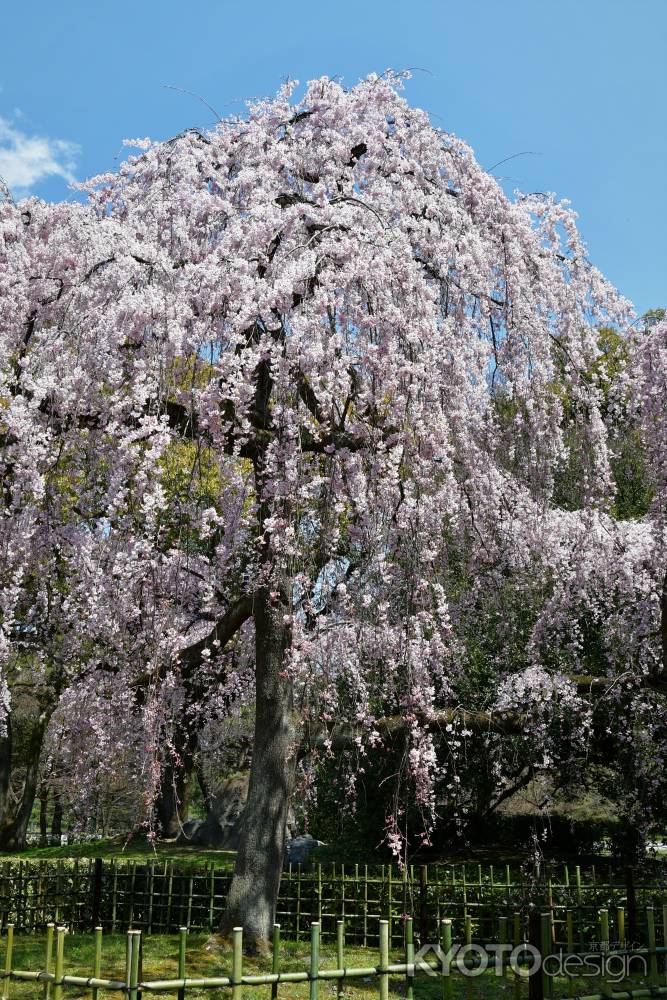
133 985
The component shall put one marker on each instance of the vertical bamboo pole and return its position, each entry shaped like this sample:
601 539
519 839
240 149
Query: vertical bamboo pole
319 894
492 905
39 901
6 894
545 948
114 896
97 962
569 924
289 907
133 881
135 949
60 963
605 988
384 961
580 926
464 884
151 882
446 945
188 919
128 959
620 926
468 940
381 890
275 959
48 959
409 960
631 903
342 897
604 929
502 939
237 963
423 905
357 913
664 937
31 896
405 891
517 938
9 948
162 903
314 959
211 902
365 906
170 887
652 957
298 901
59 869
536 979
75 895
390 884
340 954
182 944
20 903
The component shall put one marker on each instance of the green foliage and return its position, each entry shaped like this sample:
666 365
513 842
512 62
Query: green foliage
634 491
653 316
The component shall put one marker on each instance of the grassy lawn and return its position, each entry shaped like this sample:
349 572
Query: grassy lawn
160 961
127 851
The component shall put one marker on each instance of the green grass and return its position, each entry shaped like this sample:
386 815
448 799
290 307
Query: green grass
125 850
160 961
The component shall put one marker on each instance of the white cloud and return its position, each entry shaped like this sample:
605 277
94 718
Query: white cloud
25 160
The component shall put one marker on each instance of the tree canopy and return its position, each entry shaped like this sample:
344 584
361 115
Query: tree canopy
304 412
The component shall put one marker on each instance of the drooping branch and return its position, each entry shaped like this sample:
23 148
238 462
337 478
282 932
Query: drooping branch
345 736
214 639
224 629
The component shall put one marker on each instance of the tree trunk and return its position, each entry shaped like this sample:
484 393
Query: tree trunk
57 820
253 894
171 805
14 821
5 774
43 803
203 786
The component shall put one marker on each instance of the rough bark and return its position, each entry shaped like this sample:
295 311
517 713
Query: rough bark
253 893
5 772
171 805
43 829
203 786
57 820
14 817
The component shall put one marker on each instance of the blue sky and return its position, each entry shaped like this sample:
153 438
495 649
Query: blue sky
582 84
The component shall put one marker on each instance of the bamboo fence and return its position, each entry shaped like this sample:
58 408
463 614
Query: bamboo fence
161 896
54 981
